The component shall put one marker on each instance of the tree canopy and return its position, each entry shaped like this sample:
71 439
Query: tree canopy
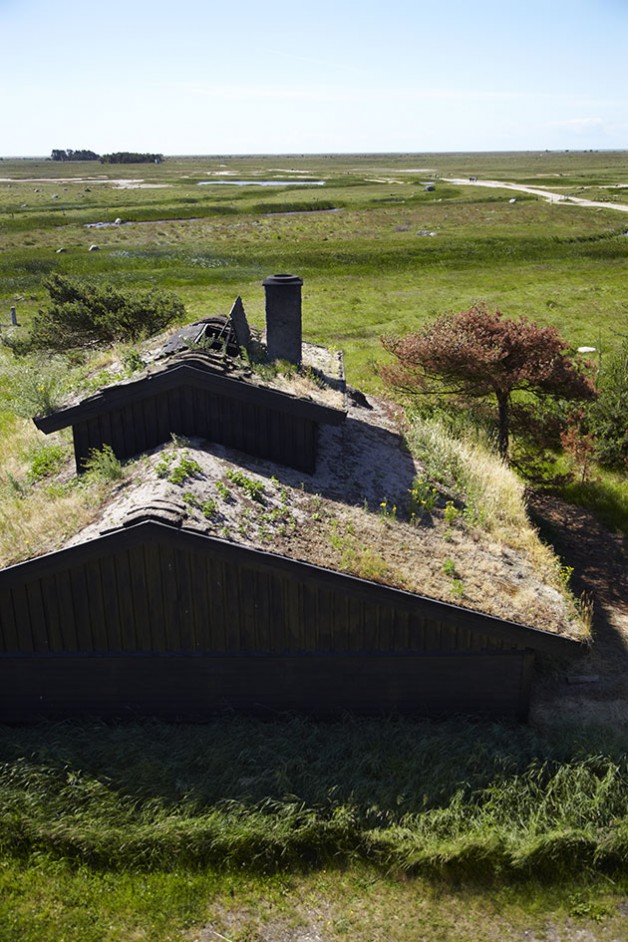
119 157
477 353
74 155
130 157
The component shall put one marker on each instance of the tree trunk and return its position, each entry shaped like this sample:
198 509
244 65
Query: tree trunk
503 401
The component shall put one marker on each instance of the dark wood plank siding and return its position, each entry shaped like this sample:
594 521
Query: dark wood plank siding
140 426
138 416
153 591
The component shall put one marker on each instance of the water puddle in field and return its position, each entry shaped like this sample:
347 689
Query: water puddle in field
262 183
138 222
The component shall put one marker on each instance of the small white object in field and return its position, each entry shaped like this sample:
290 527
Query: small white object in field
94 248
586 349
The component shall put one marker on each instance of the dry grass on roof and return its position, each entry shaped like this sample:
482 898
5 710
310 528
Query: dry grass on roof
320 378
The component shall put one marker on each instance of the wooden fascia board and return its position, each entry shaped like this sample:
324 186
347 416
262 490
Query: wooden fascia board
523 636
186 375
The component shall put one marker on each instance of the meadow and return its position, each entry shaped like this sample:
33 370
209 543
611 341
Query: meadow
378 252
362 829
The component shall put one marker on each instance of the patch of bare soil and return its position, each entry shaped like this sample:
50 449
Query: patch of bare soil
596 690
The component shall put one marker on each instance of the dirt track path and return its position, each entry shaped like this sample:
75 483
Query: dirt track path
537 191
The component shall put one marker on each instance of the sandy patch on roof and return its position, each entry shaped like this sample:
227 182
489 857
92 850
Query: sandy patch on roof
351 515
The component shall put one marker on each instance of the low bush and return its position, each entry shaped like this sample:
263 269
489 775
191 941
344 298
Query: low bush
82 314
104 465
608 415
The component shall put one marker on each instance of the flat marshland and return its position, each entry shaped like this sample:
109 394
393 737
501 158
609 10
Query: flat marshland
290 829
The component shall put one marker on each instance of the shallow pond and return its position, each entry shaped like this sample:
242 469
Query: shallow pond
262 183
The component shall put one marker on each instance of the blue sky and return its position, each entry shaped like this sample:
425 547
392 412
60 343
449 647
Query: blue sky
201 77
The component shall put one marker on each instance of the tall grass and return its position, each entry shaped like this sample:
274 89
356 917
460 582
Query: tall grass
464 462
457 798
41 502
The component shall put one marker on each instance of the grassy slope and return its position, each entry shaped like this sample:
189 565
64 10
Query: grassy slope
367 273
449 831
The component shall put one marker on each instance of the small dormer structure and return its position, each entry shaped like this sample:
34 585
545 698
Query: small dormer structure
199 388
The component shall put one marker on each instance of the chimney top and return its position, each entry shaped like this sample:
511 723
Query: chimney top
283 317
282 280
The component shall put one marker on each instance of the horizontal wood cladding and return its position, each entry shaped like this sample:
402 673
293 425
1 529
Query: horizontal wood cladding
154 589
196 687
185 400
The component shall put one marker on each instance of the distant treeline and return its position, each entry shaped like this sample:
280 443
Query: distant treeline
120 157
74 155
126 157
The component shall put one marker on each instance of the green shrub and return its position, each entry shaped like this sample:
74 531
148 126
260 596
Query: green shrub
224 491
104 464
608 415
254 489
423 497
449 568
82 314
187 468
45 461
209 508
451 513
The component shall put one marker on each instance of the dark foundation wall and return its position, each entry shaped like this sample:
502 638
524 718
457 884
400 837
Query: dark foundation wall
187 687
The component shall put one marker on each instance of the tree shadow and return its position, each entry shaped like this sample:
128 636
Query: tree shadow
358 463
598 559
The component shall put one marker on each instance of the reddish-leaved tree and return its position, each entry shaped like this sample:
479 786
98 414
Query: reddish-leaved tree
477 353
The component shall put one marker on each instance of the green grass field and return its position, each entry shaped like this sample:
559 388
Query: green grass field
368 267
369 830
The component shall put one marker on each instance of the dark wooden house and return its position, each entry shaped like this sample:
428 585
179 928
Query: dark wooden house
153 619
195 396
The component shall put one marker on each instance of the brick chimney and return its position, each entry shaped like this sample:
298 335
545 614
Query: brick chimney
283 317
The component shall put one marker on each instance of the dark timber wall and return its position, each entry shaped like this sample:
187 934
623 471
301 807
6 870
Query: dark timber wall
190 400
155 620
